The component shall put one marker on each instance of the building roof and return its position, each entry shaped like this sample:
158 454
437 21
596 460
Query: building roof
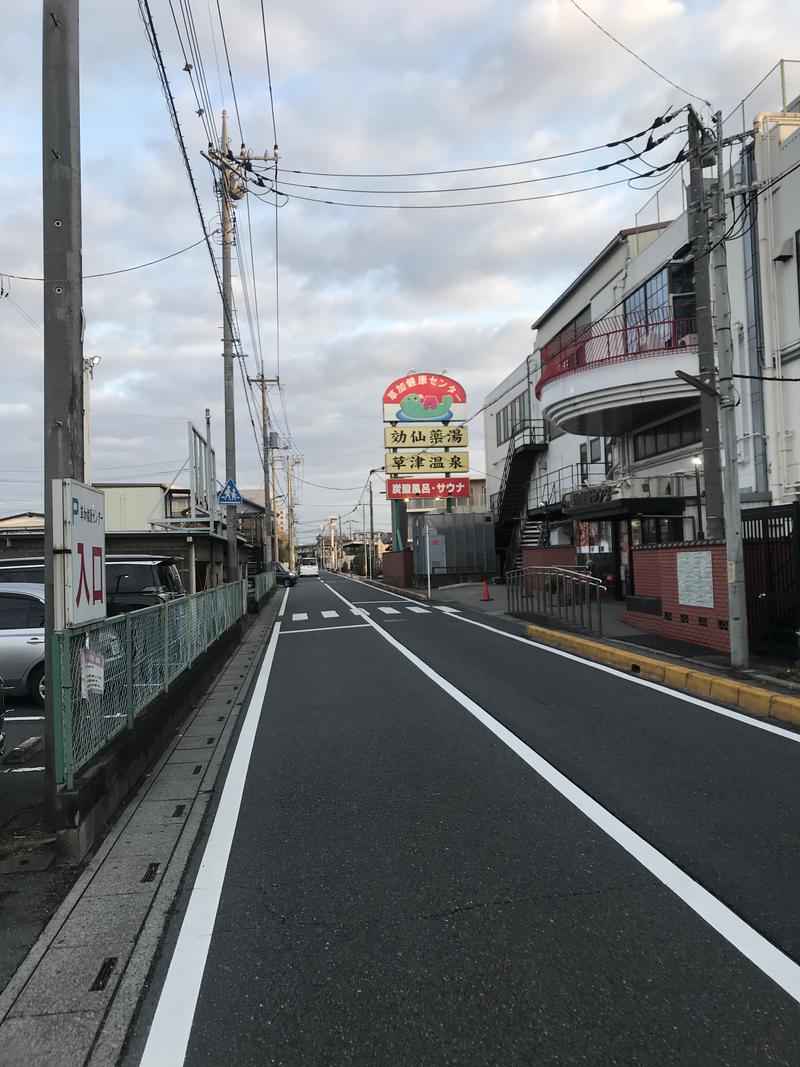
616 242
23 520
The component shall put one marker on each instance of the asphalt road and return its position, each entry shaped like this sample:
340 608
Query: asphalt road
398 874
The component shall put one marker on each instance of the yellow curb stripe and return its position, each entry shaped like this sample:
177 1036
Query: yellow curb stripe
748 698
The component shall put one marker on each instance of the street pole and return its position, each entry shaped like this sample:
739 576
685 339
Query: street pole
428 555
371 529
63 303
364 535
698 230
269 517
231 511
734 547
290 508
697 462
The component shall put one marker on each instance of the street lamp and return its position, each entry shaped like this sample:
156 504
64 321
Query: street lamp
697 462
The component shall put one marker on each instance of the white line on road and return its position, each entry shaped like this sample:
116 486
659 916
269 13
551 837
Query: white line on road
325 629
24 718
419 611
764 955
389 611
19 770
330 614
446 610
300 616
283 602
172 1023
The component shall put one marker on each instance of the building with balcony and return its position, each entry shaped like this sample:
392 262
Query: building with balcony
593 442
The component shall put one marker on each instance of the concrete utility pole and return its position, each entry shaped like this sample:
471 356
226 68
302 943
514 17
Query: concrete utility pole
371 528
698 230
63 299
728 401
231 511
269 511
290 505
276 553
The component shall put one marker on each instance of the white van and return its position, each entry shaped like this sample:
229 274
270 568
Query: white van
308 566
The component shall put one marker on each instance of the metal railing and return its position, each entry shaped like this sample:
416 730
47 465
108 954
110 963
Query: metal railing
262 583
141 654
614 340
525 433
571 596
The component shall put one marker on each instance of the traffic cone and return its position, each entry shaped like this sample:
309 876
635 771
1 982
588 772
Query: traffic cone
485 595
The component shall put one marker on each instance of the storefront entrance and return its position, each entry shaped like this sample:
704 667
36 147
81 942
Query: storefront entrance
604 545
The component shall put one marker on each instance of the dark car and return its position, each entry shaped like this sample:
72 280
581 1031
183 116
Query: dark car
283 576
132 582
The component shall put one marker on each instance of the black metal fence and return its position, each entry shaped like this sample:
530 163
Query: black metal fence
772 578
571 597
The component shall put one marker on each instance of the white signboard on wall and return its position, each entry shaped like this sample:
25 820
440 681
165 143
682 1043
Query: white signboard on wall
79 536
695 580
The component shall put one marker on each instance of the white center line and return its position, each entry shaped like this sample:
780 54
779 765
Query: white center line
389 611
762 953
330 614
326 629
419 611
300 616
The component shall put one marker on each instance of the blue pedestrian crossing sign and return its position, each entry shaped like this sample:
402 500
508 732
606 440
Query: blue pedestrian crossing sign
230 494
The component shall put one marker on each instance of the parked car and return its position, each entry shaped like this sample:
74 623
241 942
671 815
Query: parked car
132 582
308 566
284 576
22 639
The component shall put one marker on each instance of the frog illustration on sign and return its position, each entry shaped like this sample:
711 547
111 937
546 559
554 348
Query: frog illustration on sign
415 408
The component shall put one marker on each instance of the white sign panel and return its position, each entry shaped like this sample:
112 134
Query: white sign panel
695 582
92 673
79 530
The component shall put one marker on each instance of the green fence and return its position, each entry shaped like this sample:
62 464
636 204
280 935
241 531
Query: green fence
262 583
142 652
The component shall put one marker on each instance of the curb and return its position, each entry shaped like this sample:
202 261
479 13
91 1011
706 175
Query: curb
749 698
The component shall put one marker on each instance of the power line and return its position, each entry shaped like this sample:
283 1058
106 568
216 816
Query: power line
122 270
269 73
489 166
230 72
636 56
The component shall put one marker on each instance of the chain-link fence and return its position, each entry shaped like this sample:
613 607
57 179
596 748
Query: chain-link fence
106 673
263 582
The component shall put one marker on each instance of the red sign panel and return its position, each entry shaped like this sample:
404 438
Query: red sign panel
424 398
403 489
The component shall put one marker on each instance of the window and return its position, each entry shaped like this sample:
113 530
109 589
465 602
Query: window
584 453
676 433
20 613
594 450
512 417
648 314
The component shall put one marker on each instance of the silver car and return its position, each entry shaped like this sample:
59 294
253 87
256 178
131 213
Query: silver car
22 644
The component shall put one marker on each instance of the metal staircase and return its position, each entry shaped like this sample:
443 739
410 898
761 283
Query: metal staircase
528 439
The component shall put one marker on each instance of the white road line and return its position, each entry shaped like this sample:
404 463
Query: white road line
446 610
727 713
387 592
325 629
24 718
389 611
172 1023
283 602
760 952
300 616
330 614
418 610
19 770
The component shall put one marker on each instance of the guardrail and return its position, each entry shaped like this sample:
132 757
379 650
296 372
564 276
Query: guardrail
573 597
262 583
142 653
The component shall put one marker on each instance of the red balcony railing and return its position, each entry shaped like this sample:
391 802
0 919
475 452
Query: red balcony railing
613 340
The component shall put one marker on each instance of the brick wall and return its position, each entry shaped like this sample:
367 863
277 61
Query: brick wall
398 568
549 556
655 570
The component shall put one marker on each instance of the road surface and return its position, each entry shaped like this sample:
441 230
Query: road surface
438 843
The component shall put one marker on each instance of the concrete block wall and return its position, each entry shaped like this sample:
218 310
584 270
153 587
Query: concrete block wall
655 570
398 568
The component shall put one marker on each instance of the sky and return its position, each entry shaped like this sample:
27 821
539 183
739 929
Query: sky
365 294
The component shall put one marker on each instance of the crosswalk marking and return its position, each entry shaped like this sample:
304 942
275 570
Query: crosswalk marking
330 614
448 610
420 611
388 611
300 616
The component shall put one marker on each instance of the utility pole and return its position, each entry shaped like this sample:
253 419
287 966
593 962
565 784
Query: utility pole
371 528
698 231
276 554
63 300
269 511
728 401
233 186
290 505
